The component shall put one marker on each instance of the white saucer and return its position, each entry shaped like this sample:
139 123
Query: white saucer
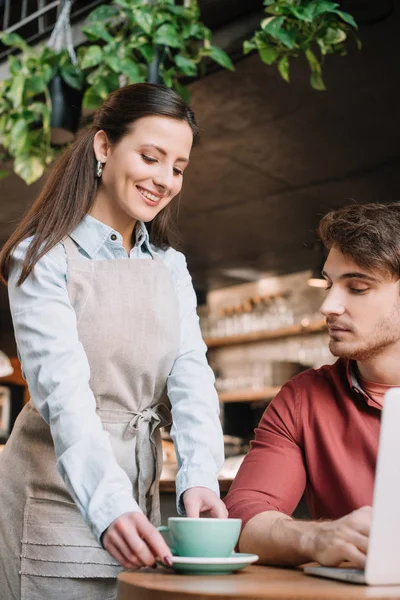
212 566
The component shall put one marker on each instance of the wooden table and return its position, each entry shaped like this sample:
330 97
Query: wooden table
253 583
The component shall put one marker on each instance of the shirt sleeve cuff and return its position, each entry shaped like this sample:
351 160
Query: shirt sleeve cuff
196 479
111 510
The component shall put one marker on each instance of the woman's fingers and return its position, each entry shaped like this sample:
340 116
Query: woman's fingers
134 542
154 540
115 553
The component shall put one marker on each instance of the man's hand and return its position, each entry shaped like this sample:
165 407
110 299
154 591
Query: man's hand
280 540
201 500
345 539
134 542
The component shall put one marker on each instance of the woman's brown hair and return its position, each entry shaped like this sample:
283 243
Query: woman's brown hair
367 233
71 187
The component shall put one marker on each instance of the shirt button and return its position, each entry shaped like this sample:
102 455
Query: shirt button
113 237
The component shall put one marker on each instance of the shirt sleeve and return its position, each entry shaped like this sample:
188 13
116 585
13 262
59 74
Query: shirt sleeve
196 429
57 372
273 474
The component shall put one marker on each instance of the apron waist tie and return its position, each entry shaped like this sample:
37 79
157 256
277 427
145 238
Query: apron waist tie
145 425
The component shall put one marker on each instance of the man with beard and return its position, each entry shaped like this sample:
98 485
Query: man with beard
319 436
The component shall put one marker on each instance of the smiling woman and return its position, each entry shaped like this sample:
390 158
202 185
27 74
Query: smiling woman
139 178
105 322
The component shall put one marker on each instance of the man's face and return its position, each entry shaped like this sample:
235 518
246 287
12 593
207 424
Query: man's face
362 309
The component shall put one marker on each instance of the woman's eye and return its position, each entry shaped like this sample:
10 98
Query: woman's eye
148 159
359 290
178 172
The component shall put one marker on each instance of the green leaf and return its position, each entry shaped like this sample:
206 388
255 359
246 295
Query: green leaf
29 168
72 76
166 35
301 12
186 65
16 41
287 37
14 65
124 4
18 136
114 62
144 18
147 51
3 174
268 54
131 70
16 92
96 31
248 46
316 79
92 57
103 13
347 18
319 7
272 25
39 107
334 36
35 85
283 68
221 57
168 77
196 30
92 99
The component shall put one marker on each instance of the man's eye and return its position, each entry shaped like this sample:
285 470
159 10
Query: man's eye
358 290
178 172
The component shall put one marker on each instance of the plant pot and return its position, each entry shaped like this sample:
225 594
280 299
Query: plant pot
66 105
153 75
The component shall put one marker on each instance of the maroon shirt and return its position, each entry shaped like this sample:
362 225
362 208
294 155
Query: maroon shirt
318 436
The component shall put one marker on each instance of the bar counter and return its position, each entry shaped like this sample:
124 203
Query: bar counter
252 583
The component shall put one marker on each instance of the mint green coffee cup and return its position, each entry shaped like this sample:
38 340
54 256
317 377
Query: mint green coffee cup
208 538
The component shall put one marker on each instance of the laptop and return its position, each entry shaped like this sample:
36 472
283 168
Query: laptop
383 556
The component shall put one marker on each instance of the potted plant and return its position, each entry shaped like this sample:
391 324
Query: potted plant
156 41
313 28
26 106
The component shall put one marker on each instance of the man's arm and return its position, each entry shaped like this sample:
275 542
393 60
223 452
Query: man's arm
279 539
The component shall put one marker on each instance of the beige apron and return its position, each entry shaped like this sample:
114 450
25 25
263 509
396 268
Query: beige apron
128 323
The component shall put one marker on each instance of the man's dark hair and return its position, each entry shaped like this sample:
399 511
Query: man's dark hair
368 233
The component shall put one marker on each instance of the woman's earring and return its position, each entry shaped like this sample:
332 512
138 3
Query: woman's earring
99 169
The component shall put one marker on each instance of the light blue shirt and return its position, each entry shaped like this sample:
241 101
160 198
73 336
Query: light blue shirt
57 372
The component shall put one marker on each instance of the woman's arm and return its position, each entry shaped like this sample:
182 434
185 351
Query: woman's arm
196 428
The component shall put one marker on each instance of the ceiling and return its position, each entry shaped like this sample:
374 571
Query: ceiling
275 157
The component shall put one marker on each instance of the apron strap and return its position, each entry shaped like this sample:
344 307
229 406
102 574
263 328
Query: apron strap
71 248
146 425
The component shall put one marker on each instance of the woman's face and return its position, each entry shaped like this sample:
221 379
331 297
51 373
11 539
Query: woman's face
143 172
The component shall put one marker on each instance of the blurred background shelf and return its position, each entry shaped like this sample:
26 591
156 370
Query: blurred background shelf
266 393
270 334
167 486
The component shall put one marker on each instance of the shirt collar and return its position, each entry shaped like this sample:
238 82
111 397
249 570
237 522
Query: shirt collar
351 373
90 234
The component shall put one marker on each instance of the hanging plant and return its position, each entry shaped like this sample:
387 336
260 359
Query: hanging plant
135 41
314 28
25 106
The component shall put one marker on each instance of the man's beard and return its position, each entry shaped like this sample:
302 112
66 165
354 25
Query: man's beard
386 334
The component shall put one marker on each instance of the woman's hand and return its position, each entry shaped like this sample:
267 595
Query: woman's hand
134 542
198 500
